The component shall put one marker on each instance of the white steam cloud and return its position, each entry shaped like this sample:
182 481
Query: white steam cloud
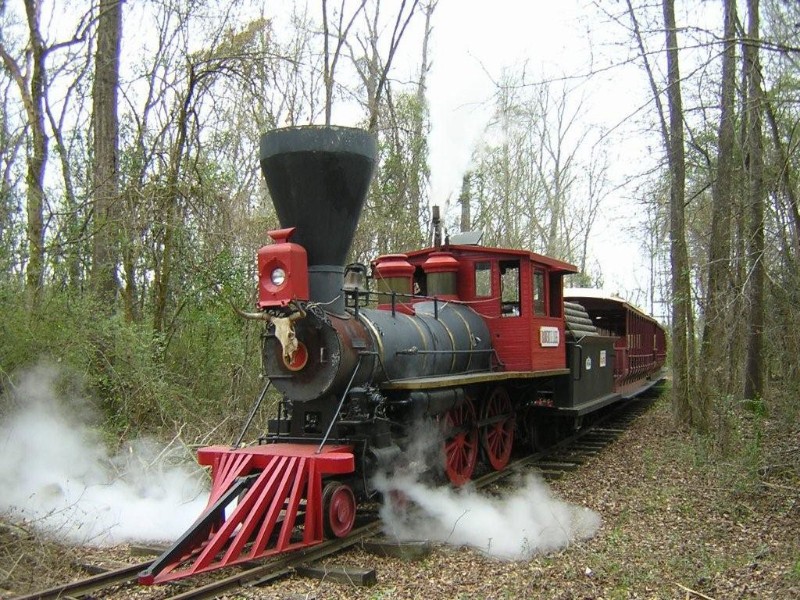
57 475
515 527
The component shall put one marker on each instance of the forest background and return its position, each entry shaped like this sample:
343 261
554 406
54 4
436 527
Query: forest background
131 202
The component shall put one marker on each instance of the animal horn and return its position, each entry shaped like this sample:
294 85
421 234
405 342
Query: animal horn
300 312
249 315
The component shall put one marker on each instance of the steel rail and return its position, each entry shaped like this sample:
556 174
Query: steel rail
279 567
83 587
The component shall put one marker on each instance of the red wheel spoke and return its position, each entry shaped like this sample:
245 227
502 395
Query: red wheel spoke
461 449
498 435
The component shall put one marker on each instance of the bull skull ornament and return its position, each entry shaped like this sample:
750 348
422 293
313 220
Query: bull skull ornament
284 328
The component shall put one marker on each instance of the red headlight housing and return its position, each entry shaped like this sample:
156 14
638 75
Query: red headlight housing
282 271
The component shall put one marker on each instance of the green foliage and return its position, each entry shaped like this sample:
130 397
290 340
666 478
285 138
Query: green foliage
733 450
200 380
215 355
12 228
756 406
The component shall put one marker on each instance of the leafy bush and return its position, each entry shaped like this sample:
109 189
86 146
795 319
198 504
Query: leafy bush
199 379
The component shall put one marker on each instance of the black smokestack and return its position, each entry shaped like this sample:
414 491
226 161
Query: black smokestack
318 178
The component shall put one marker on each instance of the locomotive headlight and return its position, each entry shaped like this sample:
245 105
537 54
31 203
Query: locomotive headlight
278 276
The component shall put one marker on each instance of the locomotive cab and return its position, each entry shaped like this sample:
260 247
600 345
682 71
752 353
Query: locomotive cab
518 293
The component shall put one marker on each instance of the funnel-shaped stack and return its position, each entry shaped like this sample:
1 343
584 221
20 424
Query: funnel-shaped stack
318 178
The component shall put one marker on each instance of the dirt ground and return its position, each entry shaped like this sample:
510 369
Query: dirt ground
677 523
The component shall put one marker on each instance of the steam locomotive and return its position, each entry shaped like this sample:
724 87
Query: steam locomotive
482 341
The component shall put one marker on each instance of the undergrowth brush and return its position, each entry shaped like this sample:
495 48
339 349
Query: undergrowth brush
197 380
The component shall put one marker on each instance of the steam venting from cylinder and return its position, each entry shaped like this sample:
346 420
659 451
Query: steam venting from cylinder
318 178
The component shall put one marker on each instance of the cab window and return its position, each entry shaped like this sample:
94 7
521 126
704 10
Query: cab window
509 288
483 279
538 293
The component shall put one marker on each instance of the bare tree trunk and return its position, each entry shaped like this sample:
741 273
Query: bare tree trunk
716 330
681 289
754 367
38 158
106 164
162 280
32 92
419 173
787 186
329 67
464 200
682 345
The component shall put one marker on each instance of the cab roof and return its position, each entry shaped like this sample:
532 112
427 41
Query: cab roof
473 251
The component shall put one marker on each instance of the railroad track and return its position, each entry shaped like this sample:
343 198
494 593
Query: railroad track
85 587
259 575
565 456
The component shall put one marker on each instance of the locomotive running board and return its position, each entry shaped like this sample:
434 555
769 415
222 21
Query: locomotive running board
264 500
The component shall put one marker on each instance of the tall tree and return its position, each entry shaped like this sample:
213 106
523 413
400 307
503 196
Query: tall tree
419 173
754 367
106 157
673 137
180 192
716 324
682 334
31 87
400 121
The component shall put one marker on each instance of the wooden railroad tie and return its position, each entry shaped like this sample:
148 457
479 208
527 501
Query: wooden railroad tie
609 430
555 465
144 550
339 574
589 448
409 550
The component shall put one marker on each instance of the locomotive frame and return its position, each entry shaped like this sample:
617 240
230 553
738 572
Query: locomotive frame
479 340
